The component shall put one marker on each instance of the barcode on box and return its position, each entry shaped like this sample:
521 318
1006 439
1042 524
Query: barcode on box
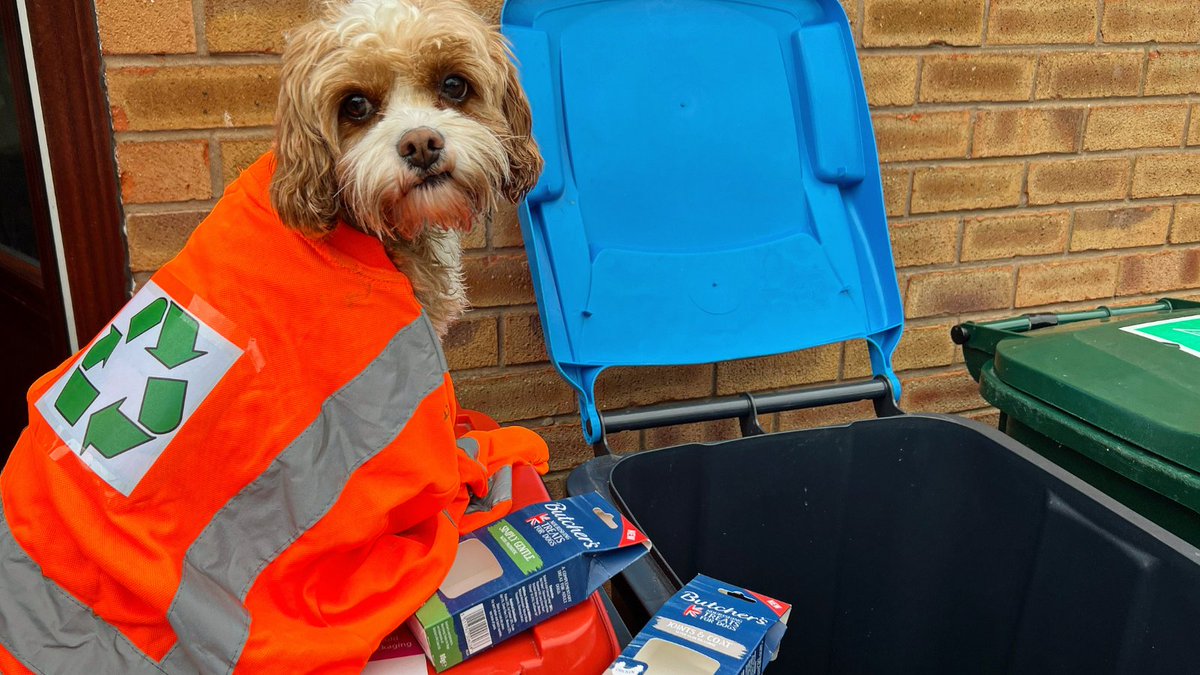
475 627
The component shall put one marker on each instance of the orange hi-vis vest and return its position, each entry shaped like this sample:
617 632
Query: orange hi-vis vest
253 469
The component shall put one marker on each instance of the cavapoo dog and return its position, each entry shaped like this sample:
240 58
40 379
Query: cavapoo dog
405 119
256 466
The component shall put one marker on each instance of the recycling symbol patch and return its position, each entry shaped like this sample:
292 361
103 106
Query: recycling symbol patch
120 405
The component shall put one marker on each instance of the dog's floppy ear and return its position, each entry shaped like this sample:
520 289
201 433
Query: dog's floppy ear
304 187
524 160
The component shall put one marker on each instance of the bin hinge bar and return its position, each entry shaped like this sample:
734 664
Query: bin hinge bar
746 408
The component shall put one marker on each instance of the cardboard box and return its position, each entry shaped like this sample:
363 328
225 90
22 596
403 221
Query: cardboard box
707 628
521 570
399 654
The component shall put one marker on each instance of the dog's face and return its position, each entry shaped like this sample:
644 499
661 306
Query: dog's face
397 115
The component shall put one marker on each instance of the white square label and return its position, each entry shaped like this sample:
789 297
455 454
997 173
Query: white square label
120 406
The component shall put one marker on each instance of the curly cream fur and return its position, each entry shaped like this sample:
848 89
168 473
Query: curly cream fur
397 53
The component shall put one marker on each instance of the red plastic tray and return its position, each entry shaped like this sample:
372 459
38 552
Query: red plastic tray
578 641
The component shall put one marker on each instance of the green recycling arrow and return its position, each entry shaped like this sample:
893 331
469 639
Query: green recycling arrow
162 406
147 318
103 349
177 341
77 395
111 433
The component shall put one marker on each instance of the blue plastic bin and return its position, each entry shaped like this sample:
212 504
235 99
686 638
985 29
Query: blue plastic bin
712 192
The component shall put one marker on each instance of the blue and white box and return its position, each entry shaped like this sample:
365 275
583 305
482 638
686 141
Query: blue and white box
707 628
520 571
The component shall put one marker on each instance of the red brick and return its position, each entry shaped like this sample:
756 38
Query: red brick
975 186
1167 175
889 80
569 449
1186 229
908 137
155 238
168 171
252 25
1082 180
556 484
193 97
1150 21
989 417
851 9
512 395
1027 233
1051 283
146 26
1089 74
1005 133
959 291
977 77
921 347
942 393
924 242
1120 228
1035 22
777 372
237 155
1171 270
705 432
471 343
826 416
523 341
1193 137
498 280
1135 126
895 190
624 387
488 9
1173 71
894 23
506 229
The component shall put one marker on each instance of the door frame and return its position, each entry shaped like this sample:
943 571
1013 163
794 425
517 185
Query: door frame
78 161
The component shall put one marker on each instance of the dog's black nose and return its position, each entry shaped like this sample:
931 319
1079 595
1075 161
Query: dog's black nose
421 147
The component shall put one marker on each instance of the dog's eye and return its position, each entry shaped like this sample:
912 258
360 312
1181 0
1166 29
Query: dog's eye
455 88
357 107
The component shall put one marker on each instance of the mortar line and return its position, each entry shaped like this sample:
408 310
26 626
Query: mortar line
255 133
987 15
1145 72
501 359
192 60
920 77
216 166
198 24
912 178
1036 104
1041 158
1187 125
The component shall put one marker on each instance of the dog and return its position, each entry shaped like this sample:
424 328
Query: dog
265 437
405 120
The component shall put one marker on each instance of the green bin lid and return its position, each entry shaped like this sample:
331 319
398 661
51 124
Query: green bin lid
1137 379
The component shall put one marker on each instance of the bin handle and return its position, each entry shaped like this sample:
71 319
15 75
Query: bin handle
746 408
961 334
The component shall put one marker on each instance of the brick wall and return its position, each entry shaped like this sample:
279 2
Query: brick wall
1037 154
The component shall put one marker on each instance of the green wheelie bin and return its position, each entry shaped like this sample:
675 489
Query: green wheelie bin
1111 395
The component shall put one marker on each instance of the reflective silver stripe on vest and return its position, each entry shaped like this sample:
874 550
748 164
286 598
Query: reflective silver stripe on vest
499 483
499 490
292 494
470 446
49 631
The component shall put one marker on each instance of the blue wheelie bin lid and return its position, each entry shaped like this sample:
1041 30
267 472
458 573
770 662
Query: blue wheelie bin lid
711 189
